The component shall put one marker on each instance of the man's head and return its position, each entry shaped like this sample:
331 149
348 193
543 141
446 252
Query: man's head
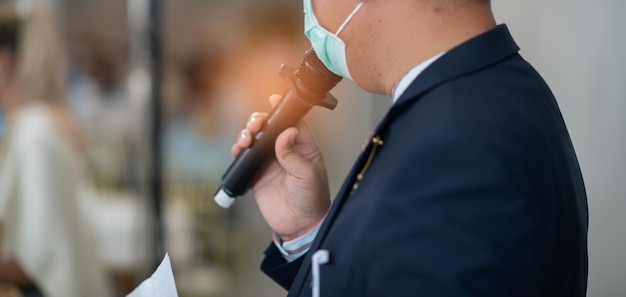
385 39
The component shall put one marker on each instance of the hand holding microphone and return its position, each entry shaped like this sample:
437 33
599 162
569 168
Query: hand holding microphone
278 158
292 193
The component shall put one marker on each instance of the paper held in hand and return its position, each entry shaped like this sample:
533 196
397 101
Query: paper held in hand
160 284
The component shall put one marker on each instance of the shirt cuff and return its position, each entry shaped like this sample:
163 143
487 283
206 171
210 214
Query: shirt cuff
294 249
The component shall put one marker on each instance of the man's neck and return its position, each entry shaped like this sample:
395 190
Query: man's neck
417 39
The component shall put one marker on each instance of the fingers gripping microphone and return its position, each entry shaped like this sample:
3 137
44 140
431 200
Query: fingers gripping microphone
308 87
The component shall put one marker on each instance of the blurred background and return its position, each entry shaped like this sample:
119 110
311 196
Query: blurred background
154 156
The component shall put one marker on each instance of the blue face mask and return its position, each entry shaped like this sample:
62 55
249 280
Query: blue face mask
330 49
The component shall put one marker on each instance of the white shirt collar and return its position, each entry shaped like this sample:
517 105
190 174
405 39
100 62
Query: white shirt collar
410 76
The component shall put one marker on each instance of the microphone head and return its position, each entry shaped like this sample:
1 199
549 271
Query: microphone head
314 76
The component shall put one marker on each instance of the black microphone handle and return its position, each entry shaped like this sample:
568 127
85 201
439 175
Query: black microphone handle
308 86
252 161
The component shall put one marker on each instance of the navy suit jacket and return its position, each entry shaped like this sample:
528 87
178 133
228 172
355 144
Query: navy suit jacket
475 191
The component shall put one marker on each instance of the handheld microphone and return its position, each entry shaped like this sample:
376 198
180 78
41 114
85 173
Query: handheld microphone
307 86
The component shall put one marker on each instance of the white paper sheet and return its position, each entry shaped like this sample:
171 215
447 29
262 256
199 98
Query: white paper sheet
160 284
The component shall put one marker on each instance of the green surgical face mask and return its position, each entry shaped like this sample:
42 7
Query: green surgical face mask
330 49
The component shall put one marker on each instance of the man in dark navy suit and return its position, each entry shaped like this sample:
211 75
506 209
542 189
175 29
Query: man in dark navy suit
468 187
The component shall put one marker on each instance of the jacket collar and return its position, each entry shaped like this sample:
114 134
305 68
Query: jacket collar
470 56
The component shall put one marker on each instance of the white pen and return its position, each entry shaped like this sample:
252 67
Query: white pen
320 257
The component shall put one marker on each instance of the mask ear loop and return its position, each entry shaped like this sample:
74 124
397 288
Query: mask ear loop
358 6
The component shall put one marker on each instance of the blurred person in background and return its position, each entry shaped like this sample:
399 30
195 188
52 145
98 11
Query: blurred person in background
47 248
199 126
196 131
98 99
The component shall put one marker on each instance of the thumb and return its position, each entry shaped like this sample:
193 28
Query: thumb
289 158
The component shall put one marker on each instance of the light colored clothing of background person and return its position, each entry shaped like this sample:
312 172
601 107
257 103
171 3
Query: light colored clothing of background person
39 208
